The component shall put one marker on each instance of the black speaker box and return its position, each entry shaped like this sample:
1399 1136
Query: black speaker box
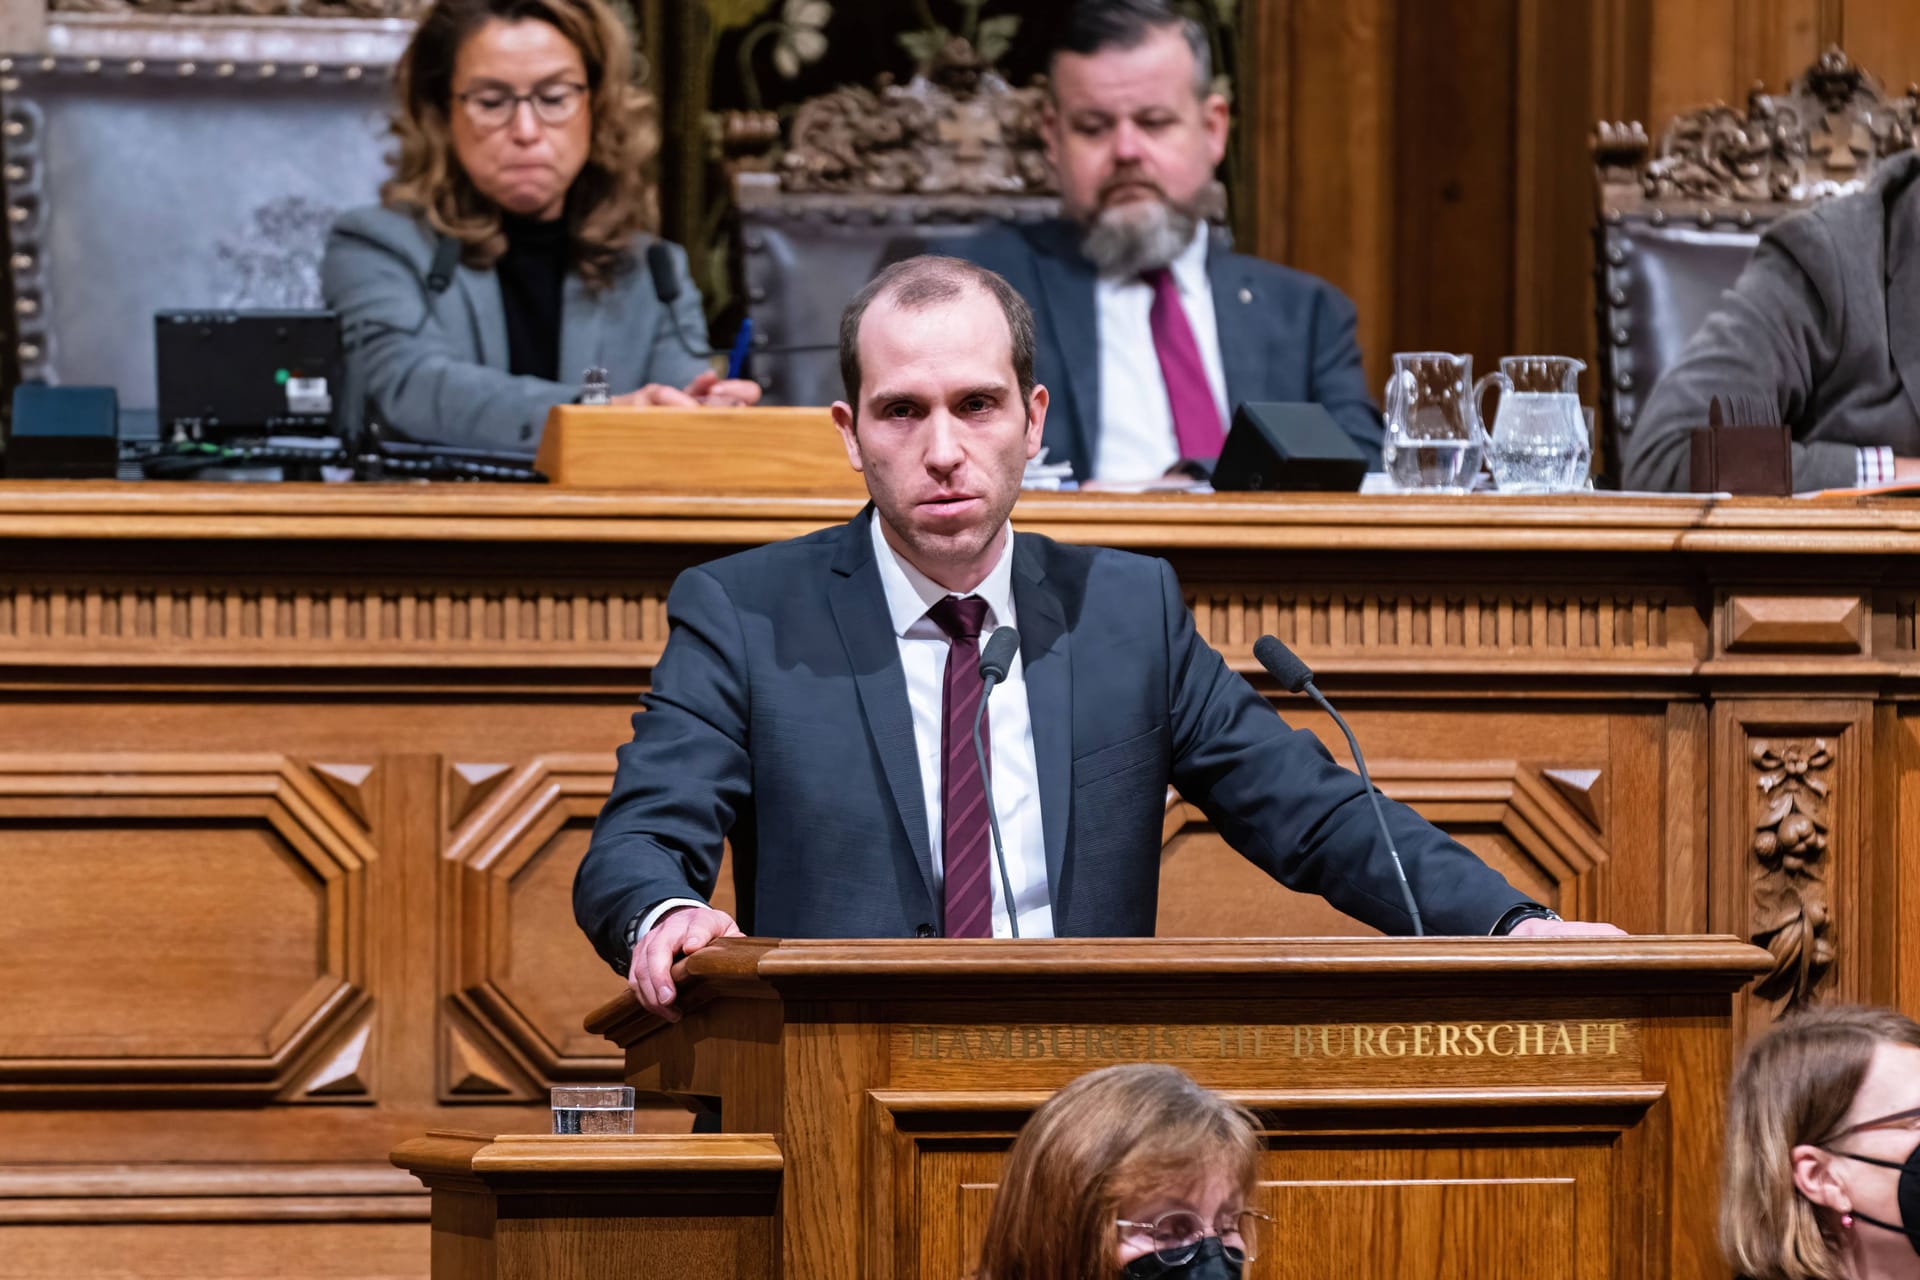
63 433
1276 445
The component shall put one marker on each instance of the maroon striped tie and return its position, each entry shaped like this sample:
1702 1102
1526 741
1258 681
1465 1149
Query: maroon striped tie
1196 417
965 840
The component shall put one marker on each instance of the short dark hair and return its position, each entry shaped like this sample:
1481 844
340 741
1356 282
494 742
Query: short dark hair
926 281
1089 26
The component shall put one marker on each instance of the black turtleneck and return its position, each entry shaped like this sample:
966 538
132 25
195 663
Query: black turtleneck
533 274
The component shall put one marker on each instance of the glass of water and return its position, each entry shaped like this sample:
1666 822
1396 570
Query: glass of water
1435 442
592 1108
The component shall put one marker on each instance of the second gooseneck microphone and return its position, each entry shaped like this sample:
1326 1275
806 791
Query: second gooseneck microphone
1295 676
995 660
666 287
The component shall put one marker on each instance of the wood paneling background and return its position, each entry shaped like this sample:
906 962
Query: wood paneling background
1431 158
293 782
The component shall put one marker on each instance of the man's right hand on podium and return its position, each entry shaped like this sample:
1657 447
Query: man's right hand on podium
680 932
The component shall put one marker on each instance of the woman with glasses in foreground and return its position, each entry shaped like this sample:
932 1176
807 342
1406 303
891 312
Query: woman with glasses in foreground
1823 1150
508 255
1131 1171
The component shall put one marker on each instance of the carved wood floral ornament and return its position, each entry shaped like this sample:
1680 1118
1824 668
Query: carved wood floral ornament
1820 138
1791 913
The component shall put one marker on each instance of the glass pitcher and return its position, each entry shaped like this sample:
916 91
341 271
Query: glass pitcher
1540 442
1434 438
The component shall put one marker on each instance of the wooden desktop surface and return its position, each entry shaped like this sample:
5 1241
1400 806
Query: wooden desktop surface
293 780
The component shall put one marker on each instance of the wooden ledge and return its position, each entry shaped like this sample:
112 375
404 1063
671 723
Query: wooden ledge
97 510
1532 1098
91 1194
760 967
447 1155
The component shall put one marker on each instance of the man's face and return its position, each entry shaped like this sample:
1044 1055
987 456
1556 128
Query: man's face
941 435
1125 133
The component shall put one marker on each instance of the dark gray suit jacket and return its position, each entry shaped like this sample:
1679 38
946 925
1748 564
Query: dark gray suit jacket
1824 322
433 368
1284 335
779 718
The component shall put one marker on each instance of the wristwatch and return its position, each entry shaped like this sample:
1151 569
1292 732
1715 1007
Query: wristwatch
633 940
1525 911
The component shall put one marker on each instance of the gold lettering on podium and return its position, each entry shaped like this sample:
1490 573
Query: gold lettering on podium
1318 1040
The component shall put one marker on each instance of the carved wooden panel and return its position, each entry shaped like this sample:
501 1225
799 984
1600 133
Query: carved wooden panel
220 623
1452 1207
178 922
1637 624
1519 820
1834 623
520 972
225 623
1823 136
1792 840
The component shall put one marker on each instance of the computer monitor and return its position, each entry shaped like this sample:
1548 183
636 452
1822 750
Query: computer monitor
237 374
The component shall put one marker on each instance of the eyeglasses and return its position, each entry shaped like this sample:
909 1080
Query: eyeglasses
494 106
1176 1235
1909 1119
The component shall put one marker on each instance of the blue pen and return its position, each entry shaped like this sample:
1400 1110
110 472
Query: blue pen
737 358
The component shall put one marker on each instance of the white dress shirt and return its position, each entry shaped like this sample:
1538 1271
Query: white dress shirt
1015 782
1136 420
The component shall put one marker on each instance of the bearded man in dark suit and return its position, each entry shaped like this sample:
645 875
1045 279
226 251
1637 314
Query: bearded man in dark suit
1150 330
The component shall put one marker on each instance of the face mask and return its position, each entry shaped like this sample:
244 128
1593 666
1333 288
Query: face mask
1209 1262
1909 1195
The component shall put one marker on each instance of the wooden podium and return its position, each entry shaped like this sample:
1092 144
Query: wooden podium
1455 1107
751 452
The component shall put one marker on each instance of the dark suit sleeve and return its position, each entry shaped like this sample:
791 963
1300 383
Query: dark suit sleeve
1777 333
1339 377
683 779
1276 795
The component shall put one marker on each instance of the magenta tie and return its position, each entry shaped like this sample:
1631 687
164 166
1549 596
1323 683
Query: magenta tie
966 844
1196 418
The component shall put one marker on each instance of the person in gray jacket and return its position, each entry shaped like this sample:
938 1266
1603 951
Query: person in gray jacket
1825 324
505 258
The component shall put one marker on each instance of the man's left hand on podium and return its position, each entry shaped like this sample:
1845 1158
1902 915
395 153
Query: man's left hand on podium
1538 927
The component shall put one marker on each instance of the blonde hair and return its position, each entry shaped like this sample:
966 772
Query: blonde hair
1793 1087
1108 1137
611 200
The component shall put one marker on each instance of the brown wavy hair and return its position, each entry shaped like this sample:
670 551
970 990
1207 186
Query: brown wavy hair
611 200
1793 1087
1108 1137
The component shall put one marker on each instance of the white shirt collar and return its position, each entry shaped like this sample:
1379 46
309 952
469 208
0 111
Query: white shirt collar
910 593
1190 268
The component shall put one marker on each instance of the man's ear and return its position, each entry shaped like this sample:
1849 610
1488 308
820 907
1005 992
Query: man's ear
1050 129
1215 115
843 422
1814 1177
1036 419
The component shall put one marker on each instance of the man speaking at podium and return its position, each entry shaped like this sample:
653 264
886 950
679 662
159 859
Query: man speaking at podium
816 699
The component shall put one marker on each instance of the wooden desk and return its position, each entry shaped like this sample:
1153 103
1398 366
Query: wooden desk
293 780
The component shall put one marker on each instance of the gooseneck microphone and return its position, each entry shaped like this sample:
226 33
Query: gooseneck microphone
666 287
1295 676
995 660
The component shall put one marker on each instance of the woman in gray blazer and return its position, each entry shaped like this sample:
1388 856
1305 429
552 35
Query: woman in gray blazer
505 258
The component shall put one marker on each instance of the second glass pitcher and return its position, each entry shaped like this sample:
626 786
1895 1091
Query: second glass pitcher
1540 442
